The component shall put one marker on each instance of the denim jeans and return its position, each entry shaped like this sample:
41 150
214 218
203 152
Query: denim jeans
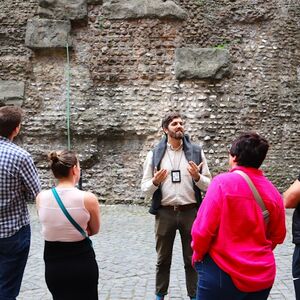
215 284
13 257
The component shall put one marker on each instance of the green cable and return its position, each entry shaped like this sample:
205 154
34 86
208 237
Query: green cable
68 110
68 98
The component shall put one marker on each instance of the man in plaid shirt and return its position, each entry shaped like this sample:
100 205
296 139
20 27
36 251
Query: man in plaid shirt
19 183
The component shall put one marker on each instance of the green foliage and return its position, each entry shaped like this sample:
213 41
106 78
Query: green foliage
101 20
199 2
222 46
225 44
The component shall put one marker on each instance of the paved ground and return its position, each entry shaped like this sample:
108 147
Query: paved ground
126 256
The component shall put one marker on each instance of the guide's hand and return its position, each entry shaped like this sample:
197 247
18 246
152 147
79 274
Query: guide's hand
195 170
159 176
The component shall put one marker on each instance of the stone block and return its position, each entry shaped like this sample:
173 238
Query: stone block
201 63
44 33
63 9
249 14
94 1
11 92
133 9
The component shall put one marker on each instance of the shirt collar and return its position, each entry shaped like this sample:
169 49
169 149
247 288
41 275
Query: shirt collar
175 149
248 170
4 139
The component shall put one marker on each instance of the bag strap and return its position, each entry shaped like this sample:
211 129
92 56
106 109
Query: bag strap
66 213
256 195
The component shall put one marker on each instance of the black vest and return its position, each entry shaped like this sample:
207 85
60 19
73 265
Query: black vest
191 151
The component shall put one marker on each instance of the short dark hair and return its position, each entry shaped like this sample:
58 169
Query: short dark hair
61 162
168 118
10 119
250 149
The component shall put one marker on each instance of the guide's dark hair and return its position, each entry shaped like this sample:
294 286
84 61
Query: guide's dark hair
250 149
168 118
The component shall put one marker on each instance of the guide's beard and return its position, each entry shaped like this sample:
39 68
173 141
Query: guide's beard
178 135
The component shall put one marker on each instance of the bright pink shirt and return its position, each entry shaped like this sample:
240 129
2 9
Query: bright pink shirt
231 229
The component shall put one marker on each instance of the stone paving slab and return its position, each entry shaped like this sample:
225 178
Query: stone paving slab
125 251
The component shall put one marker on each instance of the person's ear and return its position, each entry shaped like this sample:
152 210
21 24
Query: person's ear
15 132
73 170
234 158
18 128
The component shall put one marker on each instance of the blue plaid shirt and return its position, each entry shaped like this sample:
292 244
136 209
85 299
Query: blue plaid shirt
19 183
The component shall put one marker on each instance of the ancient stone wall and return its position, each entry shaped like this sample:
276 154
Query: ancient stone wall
227 66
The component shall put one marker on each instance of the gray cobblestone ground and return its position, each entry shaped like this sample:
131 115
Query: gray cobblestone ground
126 256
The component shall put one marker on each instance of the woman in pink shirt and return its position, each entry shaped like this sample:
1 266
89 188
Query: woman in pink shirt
232 242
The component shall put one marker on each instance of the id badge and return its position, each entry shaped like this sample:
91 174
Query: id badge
175 175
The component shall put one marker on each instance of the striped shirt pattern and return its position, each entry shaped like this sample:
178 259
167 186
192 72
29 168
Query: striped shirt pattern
19 183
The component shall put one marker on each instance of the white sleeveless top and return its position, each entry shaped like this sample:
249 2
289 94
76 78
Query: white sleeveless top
55 225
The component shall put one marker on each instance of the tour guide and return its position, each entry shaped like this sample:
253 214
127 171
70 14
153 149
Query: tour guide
174 173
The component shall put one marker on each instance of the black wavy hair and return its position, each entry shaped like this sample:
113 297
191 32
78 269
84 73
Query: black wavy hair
250 149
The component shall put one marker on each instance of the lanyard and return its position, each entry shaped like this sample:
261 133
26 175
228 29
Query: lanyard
173 166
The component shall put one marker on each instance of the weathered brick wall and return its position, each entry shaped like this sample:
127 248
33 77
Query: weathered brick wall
123 81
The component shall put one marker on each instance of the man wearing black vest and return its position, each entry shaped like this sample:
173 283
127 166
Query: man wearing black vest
292 200
174 173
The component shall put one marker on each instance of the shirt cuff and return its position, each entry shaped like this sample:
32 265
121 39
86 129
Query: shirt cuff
203 182
195 258
153 188
197 180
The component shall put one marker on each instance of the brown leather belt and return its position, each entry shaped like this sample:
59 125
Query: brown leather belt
181 207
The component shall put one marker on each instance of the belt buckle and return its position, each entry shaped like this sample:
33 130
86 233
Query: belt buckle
176 207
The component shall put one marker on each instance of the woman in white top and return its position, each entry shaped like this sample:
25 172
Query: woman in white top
71 270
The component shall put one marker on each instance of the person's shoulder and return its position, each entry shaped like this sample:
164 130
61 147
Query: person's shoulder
150 154
196 145
91 202
271 188
90 197
42 194
224 177
157 148
18 150
15 151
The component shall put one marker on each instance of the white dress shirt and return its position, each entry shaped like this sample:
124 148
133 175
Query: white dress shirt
175 193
